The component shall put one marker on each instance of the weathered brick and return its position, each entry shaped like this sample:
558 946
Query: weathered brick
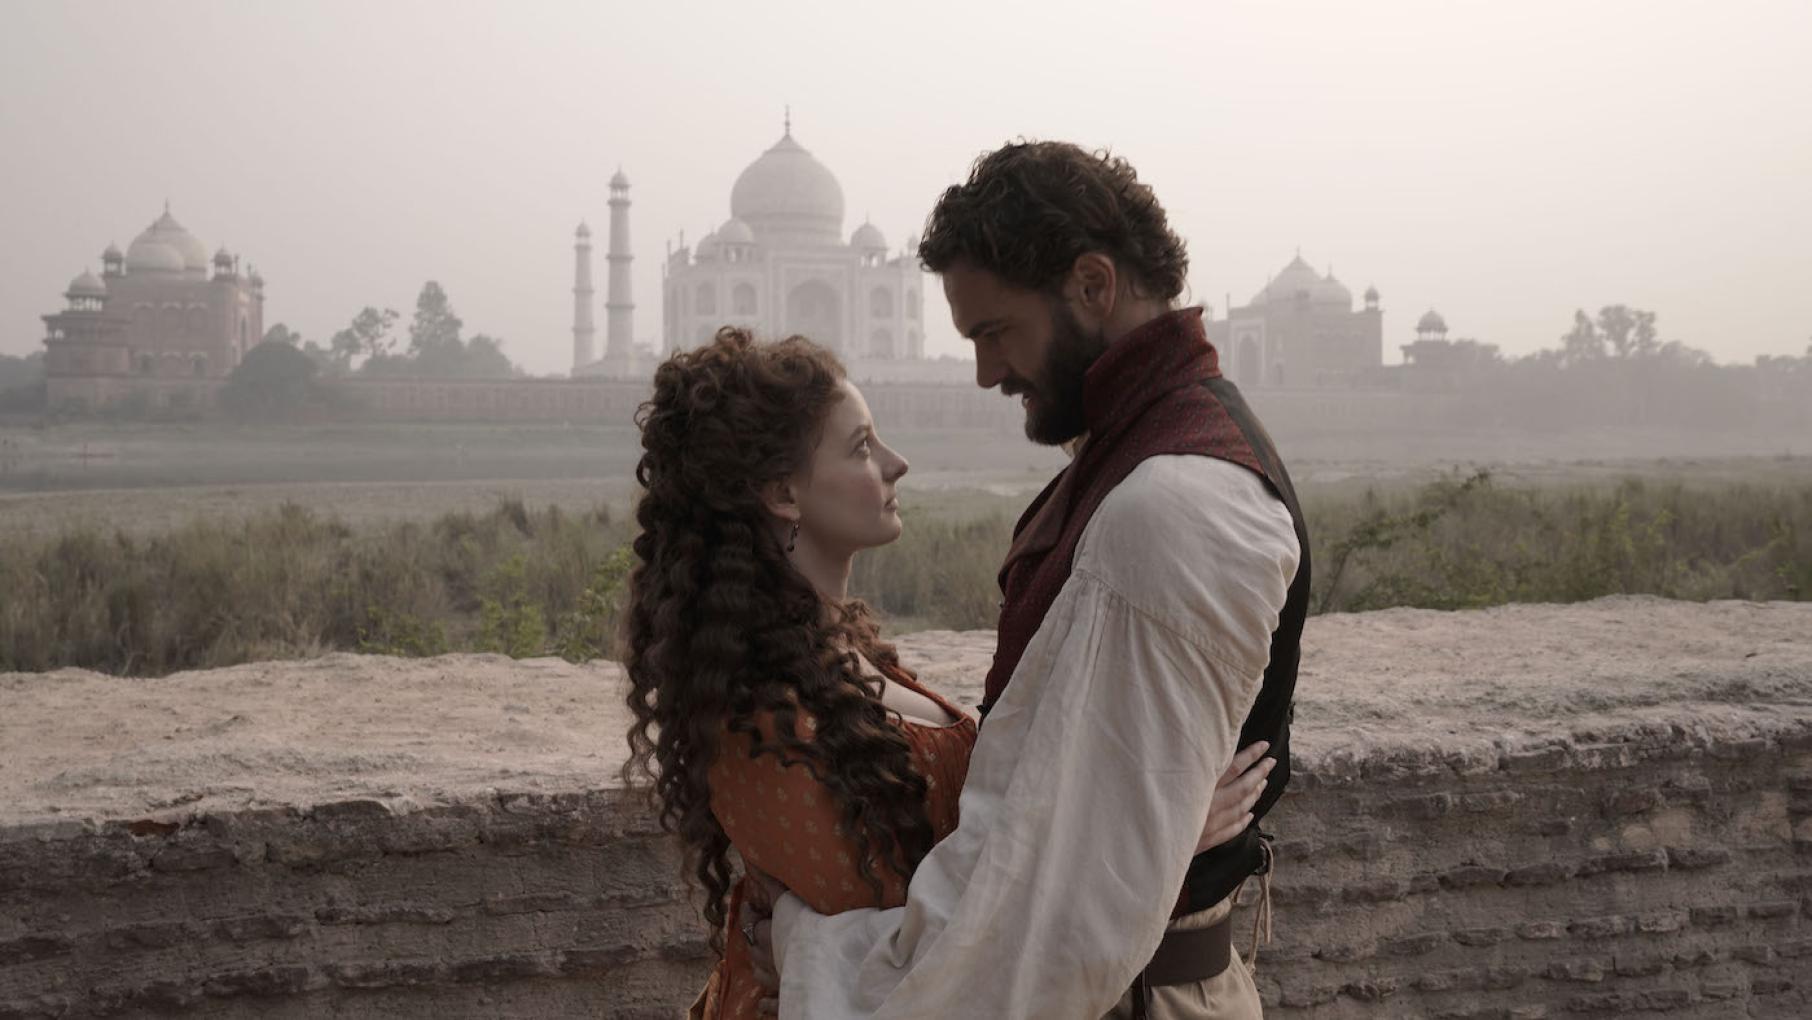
1348 952
1468 875
1370 989
1661 922
1545 873
507 967
1773 908
283 980
1444 980
385 973
1582 968
34 947
179 858
1718 991
1630 801
260 926
1754 952
1489 801
1545 760
1687 857
1640 860
154 935
1412 945
531 903
1794 949
1380 890
1687 789
1732 750
1699 956
596 961
391 913
1481 936
1497 979
1602 1002
1658 999
1303 995
1601 927
1541 930
1425 807
1712 917
1639 965
1769 984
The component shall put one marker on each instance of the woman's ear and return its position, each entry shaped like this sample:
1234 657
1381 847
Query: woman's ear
779 499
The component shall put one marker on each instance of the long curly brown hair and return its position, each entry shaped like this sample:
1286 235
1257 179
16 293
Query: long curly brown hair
720 627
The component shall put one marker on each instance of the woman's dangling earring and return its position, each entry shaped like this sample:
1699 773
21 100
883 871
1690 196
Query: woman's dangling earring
793 539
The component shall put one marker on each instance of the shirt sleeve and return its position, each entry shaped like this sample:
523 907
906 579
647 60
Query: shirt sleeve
1090 780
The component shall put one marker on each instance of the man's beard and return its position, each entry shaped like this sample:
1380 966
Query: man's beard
1055 414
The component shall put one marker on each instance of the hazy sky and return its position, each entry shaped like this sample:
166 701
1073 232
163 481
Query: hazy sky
1502 162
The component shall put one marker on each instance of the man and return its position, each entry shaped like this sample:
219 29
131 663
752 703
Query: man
1155 593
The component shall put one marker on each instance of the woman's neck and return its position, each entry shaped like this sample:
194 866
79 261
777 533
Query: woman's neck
827 572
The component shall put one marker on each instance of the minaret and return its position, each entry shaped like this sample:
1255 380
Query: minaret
619 300
584 347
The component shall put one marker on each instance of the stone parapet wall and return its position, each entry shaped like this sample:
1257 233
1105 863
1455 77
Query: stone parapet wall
1528 812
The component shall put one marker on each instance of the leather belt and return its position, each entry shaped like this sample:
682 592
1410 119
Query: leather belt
1184 958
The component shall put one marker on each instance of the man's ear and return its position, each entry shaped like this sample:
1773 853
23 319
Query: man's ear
779 499
1093 286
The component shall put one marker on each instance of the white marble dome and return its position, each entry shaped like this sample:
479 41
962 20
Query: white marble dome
87 285
1297 277
788 191
191 253
735 231
868 237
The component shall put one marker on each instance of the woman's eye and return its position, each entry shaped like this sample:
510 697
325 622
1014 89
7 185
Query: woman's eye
863 449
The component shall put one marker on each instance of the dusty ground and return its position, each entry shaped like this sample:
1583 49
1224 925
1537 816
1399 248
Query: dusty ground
79 745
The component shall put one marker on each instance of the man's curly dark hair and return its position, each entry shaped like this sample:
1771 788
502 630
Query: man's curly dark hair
1029 209
720 627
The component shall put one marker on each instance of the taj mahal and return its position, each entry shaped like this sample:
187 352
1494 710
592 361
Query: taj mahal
165 324
779 265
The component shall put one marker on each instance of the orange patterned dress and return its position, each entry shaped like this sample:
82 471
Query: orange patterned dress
786 823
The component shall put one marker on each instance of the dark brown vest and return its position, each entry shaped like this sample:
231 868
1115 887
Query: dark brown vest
1156 391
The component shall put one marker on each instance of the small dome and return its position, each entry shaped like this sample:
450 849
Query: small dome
1297 277
1371 295
87 285
147 256
787 189
617 180
1332 292
868 237
583 231
706 248
735 231
112 254
1431 322
223 258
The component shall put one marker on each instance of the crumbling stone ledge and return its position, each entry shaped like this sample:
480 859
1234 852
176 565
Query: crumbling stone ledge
1534 811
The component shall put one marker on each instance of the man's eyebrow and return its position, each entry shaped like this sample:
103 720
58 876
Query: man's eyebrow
982 327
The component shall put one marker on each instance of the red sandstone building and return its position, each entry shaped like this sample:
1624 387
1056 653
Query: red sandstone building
162 325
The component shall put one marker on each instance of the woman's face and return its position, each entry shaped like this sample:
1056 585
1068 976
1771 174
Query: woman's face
846 497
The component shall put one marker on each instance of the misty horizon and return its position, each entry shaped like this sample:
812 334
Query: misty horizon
1503 167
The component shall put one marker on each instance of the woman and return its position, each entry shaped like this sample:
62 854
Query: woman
777 720
769 715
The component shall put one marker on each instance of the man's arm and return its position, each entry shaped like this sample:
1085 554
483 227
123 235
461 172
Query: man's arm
1087 787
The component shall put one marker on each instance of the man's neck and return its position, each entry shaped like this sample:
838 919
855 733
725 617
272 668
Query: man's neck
1132 312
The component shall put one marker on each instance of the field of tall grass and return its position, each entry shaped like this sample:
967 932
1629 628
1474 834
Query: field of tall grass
292 581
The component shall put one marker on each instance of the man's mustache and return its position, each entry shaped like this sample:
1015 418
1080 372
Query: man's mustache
1014 387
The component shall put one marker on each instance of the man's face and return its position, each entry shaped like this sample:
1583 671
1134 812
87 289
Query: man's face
1028 343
